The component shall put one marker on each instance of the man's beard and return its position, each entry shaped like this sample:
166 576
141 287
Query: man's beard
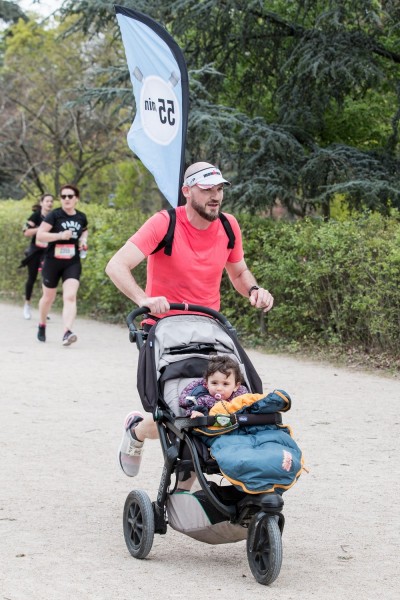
203 213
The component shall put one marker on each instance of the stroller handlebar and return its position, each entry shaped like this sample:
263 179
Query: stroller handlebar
191 308
139 336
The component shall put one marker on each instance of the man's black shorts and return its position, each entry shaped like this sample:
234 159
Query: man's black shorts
55 269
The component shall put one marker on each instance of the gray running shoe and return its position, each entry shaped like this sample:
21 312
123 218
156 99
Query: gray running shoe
69 338
130 450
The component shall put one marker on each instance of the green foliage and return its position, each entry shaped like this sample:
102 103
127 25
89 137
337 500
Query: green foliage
298 100
13 216
11 12
336 285
135 187
44 131
109 229
124 185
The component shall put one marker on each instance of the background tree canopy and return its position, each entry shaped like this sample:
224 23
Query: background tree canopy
297 101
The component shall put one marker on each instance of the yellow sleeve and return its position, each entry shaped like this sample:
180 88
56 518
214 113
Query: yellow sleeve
223 408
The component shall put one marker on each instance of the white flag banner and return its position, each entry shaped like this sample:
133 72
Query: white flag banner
160 84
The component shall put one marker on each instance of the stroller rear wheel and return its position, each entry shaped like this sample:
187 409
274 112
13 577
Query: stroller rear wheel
138 521
264 548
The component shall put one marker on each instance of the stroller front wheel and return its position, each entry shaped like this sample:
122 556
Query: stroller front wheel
264 549
138 522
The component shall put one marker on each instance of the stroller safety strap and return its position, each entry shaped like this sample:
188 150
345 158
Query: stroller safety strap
226 423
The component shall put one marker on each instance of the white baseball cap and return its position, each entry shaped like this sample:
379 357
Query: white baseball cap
206 178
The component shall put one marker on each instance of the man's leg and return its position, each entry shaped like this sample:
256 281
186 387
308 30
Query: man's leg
139 432
137 428
146 429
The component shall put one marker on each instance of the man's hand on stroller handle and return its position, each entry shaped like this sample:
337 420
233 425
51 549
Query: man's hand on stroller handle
156 304
258 296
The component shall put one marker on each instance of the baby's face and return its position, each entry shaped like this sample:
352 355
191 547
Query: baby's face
221 384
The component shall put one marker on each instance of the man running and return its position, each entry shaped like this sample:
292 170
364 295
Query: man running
191 275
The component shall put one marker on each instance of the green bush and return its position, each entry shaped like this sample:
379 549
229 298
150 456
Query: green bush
336 285
351 283
13 216
109 229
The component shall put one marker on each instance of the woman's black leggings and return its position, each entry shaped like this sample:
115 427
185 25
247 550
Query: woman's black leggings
33 269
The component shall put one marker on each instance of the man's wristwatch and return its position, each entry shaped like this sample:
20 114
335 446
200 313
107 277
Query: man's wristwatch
253 287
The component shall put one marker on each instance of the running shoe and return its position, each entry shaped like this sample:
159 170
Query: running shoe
130 450
69 338
41 334
27 311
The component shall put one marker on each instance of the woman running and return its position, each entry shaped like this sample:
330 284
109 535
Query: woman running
36 250
65 231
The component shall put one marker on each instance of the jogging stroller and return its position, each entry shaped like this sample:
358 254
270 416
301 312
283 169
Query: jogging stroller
171 354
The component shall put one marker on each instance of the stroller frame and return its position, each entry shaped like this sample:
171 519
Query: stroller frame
261 514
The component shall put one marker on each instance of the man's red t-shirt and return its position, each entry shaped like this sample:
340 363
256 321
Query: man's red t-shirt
192 274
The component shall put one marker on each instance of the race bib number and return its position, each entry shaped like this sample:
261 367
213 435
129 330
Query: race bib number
64 251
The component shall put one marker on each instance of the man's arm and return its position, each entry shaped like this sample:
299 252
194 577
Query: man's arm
243 280
119 269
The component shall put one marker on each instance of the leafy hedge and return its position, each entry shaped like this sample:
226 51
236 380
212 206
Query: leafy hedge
335 284
108 230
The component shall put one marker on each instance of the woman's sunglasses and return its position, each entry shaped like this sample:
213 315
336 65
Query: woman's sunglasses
69 196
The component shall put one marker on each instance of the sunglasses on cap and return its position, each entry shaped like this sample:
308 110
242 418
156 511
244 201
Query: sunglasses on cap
205 186
206 178
69 196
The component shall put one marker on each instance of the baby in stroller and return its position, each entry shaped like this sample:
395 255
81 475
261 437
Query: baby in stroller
249 506
222 381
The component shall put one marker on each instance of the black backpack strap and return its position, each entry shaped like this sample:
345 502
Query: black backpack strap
168 238
228 230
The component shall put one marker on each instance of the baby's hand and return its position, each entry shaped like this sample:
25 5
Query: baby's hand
196 414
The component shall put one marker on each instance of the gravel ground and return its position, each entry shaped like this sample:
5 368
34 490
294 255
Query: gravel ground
62 494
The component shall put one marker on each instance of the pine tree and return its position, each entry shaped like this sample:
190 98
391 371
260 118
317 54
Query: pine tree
297 101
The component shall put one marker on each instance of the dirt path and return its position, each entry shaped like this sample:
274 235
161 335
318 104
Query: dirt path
62 494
